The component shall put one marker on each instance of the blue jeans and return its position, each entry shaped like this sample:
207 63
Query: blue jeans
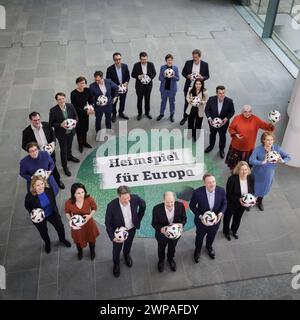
99 111
164 97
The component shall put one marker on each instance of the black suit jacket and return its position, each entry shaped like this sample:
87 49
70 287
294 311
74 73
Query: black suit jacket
159 216
114 216
211 108
187 69
33 202
137 71
56 118
28 134
111 73
233 190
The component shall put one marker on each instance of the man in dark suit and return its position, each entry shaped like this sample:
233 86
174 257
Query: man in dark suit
41 133
143 90
125 211
222 107
210 197
164 214
197 67
119 74
57 116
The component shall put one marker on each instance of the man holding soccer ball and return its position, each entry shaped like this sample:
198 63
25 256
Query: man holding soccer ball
209 198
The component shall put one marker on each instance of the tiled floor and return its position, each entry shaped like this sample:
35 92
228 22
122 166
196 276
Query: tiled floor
46 46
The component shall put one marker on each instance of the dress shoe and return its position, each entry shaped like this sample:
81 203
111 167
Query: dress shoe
172 264
161 266
171 118
113 118
123 116
183 121
128 261
48 247
149 116
208 149
116 270
66 243
159 117
73 159
222 154
60 184
67 172
227 236
235 235
87 145
211 253
139 117
196 257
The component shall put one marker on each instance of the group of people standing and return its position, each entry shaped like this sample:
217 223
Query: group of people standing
251 172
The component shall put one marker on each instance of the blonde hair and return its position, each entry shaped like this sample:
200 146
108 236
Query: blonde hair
237 168
34 180
266 134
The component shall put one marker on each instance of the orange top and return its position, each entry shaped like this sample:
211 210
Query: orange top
248 128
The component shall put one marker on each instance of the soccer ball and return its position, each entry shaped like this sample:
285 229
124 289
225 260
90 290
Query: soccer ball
146 79
122 89
169 73
272 156
194 76
209 218
274 116
70 123
195 101
217 123
77 221
248 200
37 215
121 233
41 173
173 231
50 147
102 100
88 108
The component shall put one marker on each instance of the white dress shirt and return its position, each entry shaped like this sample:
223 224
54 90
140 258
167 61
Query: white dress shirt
196 68
244 186
119 74
144 68
127 215
170 214
40 135
220 105
103 88
210 198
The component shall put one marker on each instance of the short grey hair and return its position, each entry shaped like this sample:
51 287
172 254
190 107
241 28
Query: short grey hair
123 190
246 106
173 194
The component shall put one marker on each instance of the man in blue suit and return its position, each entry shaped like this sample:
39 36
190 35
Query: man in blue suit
119 74
196 66
125 211
210 197
168 87
107 88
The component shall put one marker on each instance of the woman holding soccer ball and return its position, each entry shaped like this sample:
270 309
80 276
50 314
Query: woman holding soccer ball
82 204
239 184
264 160
196 97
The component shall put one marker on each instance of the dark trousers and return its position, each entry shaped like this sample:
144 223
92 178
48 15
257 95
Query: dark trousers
236 212
55 220
162 242
126 245
143 92
209 232
194 121
65 144
55 172
99 114
81 138
185 91
222 134
122 99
